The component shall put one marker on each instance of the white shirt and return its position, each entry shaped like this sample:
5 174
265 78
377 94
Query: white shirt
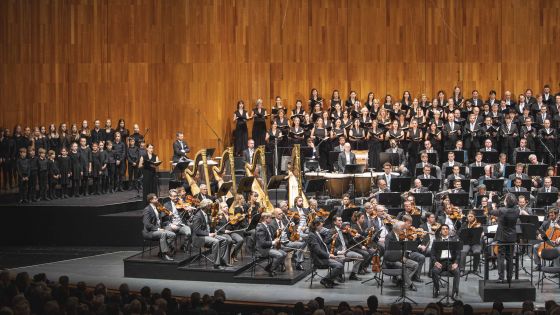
157 215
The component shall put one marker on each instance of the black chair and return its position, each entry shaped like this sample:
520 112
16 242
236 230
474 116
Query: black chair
257 260
148 242
314 271
548 256
391 272
198 245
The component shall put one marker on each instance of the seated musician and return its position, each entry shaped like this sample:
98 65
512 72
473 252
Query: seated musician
348 248
417 254
488 146
487 175
321 255
518 172
516 186
394 258
425 162
450 162
289 243
500 167
268 243
431 226
176 222
408 210
477 160
203 194
303 214
426 172
153 228
381 188
394 148
445 261
451 218
522 148
203 236
523 206
474 249
551 221
456 174
231 228
428 148
346 204
418 188
547 186
346 157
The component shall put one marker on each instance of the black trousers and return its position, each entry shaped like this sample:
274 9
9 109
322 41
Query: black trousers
505 252
32 186
43 183
112 177
446 266
23 189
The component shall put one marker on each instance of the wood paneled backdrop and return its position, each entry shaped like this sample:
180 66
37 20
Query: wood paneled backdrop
165 64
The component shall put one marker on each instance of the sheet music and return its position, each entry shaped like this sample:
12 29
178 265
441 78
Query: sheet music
492 228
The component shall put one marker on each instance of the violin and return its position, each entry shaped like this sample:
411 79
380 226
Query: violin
294 233
236 218
321 213
161 209
457 213
389 219
278 235
474 225
333 242
435 226
294 215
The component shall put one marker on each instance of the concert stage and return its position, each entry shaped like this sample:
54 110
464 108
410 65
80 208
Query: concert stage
106 220
186 267
109 269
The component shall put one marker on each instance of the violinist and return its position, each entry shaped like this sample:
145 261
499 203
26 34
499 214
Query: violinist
452 217
474 249
361 234
153 228
417 254
315 212
408 210
394 259
203 237
347 248
203 194
523 206
303 213
282 223
174 222
321 255
346 204
431 227
266 243
231 228
551 221
253 205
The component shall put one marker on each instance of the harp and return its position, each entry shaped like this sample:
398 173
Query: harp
295 188
191 173
220 171
259 184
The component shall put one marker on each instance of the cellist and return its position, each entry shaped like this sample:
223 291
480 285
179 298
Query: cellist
551 228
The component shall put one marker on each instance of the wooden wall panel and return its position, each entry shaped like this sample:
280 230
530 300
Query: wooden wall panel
183 64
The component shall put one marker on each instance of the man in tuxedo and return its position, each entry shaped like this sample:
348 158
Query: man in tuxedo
510 103
394 259
455 175
506 235
509 134
346 157
321 255
425 162
475 100
450 162
153 228
488 146
346 247
267 244
174 222
180 147
445 260
429 149
522 148
249 153
426 173
471 137
477 160
547 186
303 213
542 115
523 206
203 237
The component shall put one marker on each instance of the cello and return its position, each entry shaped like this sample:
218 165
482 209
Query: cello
550 236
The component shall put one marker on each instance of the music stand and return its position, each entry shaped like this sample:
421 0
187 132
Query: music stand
526 194
491 157
432 158
254 221
394 211
354 169
494 184
510 169
477 171
522 156
482 219
390 199
224 189
245 185
459 199
392 158
531 219
527 183
465 184
449 246
537 170
546 199
423 199
210 152
433 184
471 236
529 234
315 185
333 160
403 247
459 155
477 212
400 184
555 181
329 219
274 184
347 213
416 220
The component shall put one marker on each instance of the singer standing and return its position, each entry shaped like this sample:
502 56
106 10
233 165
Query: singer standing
149 163
506 235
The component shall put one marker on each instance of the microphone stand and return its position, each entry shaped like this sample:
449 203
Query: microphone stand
547 150
211 129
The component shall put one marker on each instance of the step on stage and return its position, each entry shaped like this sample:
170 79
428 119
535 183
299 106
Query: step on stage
193 268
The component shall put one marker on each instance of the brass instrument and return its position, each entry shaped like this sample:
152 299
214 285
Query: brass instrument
191 171
260 188
295 187
219 171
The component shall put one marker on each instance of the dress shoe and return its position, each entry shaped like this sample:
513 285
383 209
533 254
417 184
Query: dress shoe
412 287
234 258
500 281
454 294
353 276
225 264
271 273
436 293
48 199
282 268
267 268
326 283
166 257
340 279
217 267
537 268
361 272
417 279
299 267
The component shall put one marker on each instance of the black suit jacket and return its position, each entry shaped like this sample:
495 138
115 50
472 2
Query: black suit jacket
264 239
552 189
149 219
199 226
507 221
247 156
342 160
177 154
455 254
319 250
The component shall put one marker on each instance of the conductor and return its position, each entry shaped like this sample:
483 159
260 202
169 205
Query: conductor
506 235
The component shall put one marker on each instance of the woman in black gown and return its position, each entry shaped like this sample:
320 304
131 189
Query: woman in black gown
318 135
149 163
374 136
241 136
259 123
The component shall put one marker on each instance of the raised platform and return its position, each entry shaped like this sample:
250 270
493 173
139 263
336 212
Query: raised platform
520 290
186 267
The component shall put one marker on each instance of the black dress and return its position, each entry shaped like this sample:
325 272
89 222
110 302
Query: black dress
324 146
374 147
241 135
259 126
149 181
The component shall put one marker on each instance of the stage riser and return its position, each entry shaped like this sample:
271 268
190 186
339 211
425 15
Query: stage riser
521 290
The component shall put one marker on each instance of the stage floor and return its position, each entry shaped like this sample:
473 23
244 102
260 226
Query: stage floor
108 268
